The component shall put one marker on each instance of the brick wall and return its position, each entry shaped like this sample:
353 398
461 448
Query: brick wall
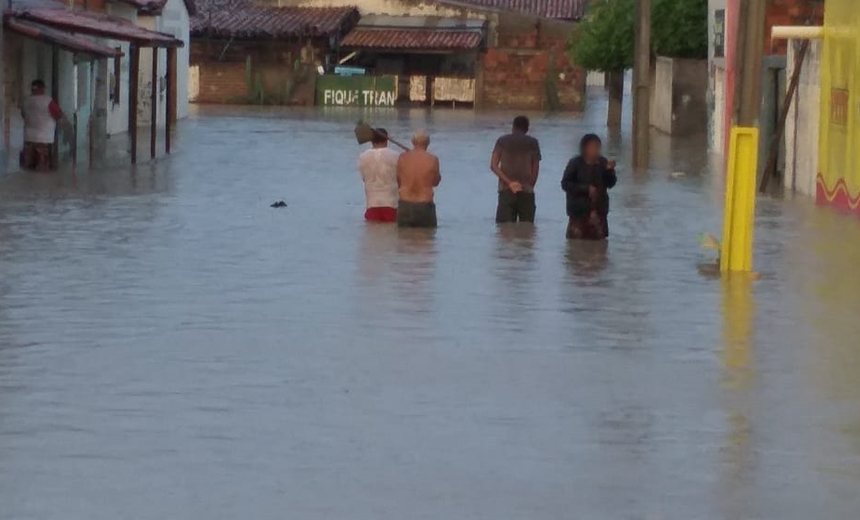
222 83
790 12
222 71
516 71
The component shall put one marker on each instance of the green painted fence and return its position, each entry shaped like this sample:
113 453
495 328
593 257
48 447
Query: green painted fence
356 91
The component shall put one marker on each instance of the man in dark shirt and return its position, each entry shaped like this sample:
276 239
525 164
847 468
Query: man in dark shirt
516 162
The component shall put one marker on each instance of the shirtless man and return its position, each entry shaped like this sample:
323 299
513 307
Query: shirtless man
417 175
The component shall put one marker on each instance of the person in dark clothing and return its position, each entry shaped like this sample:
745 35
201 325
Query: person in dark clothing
586 182
516 162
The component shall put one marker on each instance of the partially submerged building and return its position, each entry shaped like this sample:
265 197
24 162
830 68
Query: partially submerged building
482 53
90 58
243 53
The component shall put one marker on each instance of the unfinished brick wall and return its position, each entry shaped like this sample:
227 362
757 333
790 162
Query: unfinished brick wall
516 71
222 83
222 72
790 12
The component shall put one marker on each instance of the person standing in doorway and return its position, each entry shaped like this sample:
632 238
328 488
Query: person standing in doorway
378 170
417 175
586 183
516 162
41 113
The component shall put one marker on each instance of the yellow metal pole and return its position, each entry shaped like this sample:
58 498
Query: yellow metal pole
739 219
736 253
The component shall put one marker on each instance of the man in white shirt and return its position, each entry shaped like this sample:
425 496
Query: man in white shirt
378 170
41 114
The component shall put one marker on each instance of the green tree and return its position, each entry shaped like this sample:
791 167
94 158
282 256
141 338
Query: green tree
680 28
603 41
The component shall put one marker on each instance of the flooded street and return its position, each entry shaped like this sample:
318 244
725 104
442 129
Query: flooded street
172 347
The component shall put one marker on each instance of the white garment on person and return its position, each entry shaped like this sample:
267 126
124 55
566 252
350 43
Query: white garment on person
39 124
378 170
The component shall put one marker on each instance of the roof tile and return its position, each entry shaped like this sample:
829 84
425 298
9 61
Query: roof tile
424 39
67 40
94 23
239 19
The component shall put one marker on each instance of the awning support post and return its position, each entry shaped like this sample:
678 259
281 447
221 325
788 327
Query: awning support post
133 80
170 98
55 93
153 109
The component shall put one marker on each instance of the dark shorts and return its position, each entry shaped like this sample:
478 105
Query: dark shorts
515 207
416 214
381 214
36 156
588 227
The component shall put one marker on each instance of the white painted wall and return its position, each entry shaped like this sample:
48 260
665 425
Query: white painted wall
174 20
117 110
801 126
716 85
661 95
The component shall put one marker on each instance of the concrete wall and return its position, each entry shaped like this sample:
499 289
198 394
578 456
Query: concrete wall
678 96
716 94
801 128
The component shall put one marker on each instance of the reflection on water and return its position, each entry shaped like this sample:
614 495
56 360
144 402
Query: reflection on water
739 455
587 259
172 347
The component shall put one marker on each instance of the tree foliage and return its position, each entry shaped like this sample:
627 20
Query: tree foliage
680 28
604 40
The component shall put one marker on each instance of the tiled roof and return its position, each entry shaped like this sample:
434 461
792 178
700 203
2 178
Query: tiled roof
561 9
66 40
94 24
423 39
239 19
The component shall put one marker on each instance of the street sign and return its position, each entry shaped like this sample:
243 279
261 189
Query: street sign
356 91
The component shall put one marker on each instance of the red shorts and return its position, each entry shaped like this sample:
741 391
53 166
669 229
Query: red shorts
381 214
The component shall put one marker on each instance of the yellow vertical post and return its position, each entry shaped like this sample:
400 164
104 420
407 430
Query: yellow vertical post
739 215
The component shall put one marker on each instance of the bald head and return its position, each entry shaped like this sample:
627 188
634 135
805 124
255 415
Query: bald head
421 139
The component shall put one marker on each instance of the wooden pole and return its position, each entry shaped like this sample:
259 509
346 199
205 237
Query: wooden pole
642 86
749 62
170 98
55 93
133 81
153 100
773 157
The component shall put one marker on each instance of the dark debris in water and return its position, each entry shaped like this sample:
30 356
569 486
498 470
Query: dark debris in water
279 204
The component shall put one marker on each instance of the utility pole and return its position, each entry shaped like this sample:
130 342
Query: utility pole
642 86
736 252
750 53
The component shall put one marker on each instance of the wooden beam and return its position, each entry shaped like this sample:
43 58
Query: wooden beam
153 100
133 81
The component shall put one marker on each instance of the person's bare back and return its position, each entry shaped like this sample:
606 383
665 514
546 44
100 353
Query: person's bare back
418 171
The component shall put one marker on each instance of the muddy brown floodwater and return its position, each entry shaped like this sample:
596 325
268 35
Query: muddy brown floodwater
172 347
